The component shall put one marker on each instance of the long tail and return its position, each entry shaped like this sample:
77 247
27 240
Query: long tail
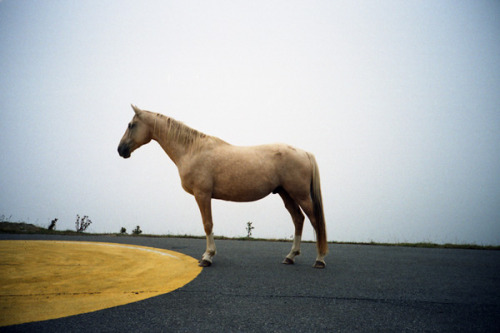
317 200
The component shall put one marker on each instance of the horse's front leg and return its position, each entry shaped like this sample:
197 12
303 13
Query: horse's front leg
204 203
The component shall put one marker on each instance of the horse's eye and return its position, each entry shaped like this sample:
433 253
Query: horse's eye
130 126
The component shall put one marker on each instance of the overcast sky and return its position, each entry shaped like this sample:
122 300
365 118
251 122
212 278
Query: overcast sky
398 100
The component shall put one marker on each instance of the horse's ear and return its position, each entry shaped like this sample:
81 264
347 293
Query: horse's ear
136 109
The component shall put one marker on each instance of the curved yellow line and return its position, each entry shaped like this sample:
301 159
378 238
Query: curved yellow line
41 280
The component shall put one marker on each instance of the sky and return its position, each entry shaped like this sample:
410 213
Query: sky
398 100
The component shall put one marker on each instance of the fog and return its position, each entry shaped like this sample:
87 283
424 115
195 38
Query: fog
398 101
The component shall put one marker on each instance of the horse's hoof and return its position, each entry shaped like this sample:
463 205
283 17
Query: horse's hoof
319 264
204 263
288 261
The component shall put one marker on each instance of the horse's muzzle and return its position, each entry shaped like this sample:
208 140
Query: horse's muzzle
124 151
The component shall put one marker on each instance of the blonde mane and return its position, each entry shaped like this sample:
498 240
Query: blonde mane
169 129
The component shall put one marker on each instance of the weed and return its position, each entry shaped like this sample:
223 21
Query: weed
249 229
82 224
137 231
52 225
4 218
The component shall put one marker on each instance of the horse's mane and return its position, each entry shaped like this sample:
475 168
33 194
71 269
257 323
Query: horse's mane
169 129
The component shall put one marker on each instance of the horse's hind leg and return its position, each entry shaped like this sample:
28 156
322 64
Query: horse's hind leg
307 206
298 221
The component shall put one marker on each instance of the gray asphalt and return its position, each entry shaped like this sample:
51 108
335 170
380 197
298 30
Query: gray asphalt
363 289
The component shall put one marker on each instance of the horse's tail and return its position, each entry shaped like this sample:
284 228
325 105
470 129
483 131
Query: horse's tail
318 207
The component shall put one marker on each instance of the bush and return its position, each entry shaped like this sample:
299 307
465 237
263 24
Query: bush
82 224
52 225
249 229
123 231
137 231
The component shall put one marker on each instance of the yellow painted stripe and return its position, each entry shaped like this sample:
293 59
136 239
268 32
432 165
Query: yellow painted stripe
41 280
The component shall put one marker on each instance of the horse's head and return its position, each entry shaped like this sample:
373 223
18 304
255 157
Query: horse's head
137 134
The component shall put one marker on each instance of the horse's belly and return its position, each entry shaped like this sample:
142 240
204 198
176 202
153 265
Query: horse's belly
239 188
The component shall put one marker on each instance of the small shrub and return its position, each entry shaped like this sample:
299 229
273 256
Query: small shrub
249 229
4 218
82 224
123 231
52 225
137 231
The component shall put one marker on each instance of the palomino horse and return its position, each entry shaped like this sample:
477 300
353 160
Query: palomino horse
211 168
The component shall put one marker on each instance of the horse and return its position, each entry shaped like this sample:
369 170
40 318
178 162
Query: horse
211 168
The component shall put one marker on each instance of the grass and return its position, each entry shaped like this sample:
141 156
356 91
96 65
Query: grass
25 228
429 245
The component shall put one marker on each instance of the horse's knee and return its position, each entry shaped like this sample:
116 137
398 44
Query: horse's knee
208 226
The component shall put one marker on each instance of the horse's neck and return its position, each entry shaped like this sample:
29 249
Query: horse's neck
173 149
172 137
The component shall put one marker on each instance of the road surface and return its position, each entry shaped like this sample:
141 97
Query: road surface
363 288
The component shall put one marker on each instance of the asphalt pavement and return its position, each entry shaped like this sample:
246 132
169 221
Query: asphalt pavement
363 289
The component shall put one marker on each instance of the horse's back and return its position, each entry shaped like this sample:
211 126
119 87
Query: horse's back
267 158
